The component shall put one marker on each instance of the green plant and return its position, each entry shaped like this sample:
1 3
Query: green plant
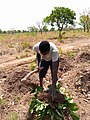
2 101
70 54
23 55
11 45
25 44
32 65
41 109
17 99
13 116
60 51
61 17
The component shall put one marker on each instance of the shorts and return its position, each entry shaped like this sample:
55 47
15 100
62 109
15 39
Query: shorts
45 64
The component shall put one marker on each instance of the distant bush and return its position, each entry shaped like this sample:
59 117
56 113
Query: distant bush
25 44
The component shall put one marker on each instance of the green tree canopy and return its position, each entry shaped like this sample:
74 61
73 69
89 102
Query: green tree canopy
32 29
61 17
85 20
0 31
45 29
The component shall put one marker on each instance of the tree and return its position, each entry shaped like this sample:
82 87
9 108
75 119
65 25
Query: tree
61 17
0 31
45 29
32 29
40 26
18 31
85 20
52 29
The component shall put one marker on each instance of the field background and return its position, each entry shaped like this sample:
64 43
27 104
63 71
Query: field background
17 59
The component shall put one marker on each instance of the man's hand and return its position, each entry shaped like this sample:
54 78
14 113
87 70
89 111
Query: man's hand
52 92
39 68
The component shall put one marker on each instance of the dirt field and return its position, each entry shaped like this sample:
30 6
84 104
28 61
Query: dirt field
73 73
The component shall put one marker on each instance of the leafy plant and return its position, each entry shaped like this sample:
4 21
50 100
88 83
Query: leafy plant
71 54
2 101
25 44
61 17
32 65
60 51
17 99
24 55
41 109
13 116
11 45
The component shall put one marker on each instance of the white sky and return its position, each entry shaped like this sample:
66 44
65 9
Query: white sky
20 14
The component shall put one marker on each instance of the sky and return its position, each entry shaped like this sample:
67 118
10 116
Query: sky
20 14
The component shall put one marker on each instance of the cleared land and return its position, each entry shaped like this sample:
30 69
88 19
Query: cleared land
73 73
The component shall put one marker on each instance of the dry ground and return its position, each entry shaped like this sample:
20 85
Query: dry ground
73 73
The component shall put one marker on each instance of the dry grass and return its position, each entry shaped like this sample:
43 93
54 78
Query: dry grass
76 34
22 37
19 42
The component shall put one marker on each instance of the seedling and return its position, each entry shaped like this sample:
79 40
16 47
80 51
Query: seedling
13 116
25 44
11 45
60 51
33 65
17 99
71 54
2 101
42 109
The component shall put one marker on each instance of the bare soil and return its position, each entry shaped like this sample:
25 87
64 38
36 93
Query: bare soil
73 73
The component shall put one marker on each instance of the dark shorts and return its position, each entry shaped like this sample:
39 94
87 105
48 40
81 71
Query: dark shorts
45 64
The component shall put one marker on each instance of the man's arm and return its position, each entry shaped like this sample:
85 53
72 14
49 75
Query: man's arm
38 59
54 72
54 79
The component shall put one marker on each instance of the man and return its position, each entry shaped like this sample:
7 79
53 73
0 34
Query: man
47 55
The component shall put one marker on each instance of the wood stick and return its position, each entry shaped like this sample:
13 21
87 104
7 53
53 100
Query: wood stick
29 74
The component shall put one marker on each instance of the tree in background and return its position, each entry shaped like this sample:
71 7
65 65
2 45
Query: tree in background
60 17
85 20
52 29
40 26
0 31
32 29
45 29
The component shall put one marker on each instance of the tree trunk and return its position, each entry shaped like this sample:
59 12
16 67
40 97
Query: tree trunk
41 31
60 35
87 27
84 27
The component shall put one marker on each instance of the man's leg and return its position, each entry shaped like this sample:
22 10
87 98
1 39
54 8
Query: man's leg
43 72
41 82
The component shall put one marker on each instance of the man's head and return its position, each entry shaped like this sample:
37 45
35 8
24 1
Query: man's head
44 47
